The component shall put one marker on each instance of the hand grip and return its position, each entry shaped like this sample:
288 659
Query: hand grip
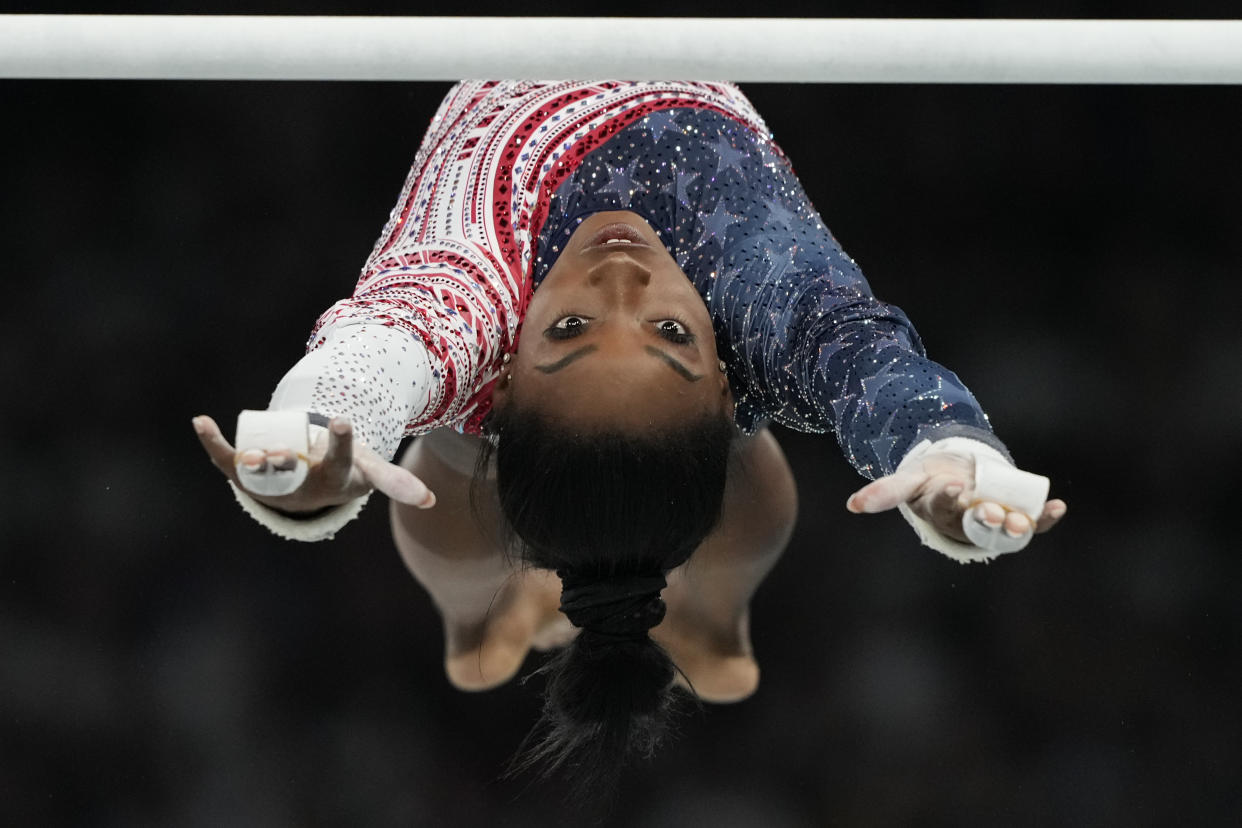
267 430
1016 491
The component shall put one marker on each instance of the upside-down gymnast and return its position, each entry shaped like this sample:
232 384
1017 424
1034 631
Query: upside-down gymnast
588 303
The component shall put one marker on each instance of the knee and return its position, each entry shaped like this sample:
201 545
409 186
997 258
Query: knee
724 680
485 667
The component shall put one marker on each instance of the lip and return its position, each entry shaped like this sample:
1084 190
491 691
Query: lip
616 230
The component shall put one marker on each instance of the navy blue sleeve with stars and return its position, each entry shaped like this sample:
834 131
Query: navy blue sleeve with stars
806 342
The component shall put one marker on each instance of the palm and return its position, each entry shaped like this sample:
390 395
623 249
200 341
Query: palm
939 490
341 469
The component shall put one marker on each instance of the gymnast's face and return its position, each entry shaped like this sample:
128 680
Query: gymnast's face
616 335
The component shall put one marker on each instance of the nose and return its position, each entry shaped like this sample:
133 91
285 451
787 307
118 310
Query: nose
620 270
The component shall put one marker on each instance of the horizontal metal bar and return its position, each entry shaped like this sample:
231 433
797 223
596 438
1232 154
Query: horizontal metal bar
194 47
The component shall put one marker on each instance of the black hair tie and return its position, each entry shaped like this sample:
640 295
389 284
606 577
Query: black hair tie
620 607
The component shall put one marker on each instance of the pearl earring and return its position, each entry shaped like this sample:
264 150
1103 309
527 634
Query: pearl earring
722 365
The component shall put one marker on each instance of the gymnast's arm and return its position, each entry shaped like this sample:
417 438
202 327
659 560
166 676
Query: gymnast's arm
902 419
359 388
405 354
412 349
816 351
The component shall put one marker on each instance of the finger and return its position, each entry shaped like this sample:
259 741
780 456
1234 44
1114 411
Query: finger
1054 510
991 515
1017 524
987 525
338 460
394 481
213 442
281 458
887 492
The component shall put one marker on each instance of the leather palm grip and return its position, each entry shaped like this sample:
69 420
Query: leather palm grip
267 430
1015 490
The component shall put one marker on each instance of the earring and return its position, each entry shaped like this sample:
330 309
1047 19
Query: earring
722 365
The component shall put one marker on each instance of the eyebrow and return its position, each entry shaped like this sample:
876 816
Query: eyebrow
553 367
686 373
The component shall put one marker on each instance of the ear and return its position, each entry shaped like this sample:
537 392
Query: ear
502 390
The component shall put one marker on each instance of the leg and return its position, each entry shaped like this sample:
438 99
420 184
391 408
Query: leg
493 612
707 628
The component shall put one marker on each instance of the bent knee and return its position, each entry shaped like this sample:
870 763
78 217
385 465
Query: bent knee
483 667
725 680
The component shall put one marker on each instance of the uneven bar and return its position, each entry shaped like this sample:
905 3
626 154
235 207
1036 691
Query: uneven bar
785 50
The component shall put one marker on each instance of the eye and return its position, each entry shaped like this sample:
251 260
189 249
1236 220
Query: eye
674 330
567 326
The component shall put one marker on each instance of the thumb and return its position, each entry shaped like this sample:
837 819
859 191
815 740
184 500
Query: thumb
887 492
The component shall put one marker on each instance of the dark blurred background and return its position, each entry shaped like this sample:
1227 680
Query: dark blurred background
1072 252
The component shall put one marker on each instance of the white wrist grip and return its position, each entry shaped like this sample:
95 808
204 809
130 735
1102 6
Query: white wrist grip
268 430
1016 491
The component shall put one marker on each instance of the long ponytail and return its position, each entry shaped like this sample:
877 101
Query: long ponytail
612 513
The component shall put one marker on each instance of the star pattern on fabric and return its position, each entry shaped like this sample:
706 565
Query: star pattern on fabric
875 383
779 263
637 184
717 224
781 217
682 186
842 404
660 122
619 182
728 156
806 342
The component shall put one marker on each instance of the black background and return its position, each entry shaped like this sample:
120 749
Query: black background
1071 252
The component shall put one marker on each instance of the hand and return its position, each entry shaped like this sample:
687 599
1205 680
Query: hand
340 470
939 490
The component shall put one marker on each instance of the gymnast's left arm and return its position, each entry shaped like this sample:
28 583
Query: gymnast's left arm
911 425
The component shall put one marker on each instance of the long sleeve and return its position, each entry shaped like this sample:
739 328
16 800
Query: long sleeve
807 343
378 376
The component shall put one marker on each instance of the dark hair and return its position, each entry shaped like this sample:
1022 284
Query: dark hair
612 513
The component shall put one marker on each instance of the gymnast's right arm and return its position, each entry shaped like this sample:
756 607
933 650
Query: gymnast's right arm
344 463
413 348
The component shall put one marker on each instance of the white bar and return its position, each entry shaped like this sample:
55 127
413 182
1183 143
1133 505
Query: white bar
737 49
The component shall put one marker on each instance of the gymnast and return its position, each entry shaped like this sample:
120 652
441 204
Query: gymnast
588 303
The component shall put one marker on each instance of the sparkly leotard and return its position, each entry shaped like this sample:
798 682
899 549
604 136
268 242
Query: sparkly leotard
506 173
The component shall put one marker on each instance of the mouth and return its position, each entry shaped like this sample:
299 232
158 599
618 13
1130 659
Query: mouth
616 236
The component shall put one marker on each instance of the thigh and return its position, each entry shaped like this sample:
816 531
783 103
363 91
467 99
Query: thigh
455 549
707 628
493 609
455 529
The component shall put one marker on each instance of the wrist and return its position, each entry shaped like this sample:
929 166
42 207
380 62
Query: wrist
320 525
